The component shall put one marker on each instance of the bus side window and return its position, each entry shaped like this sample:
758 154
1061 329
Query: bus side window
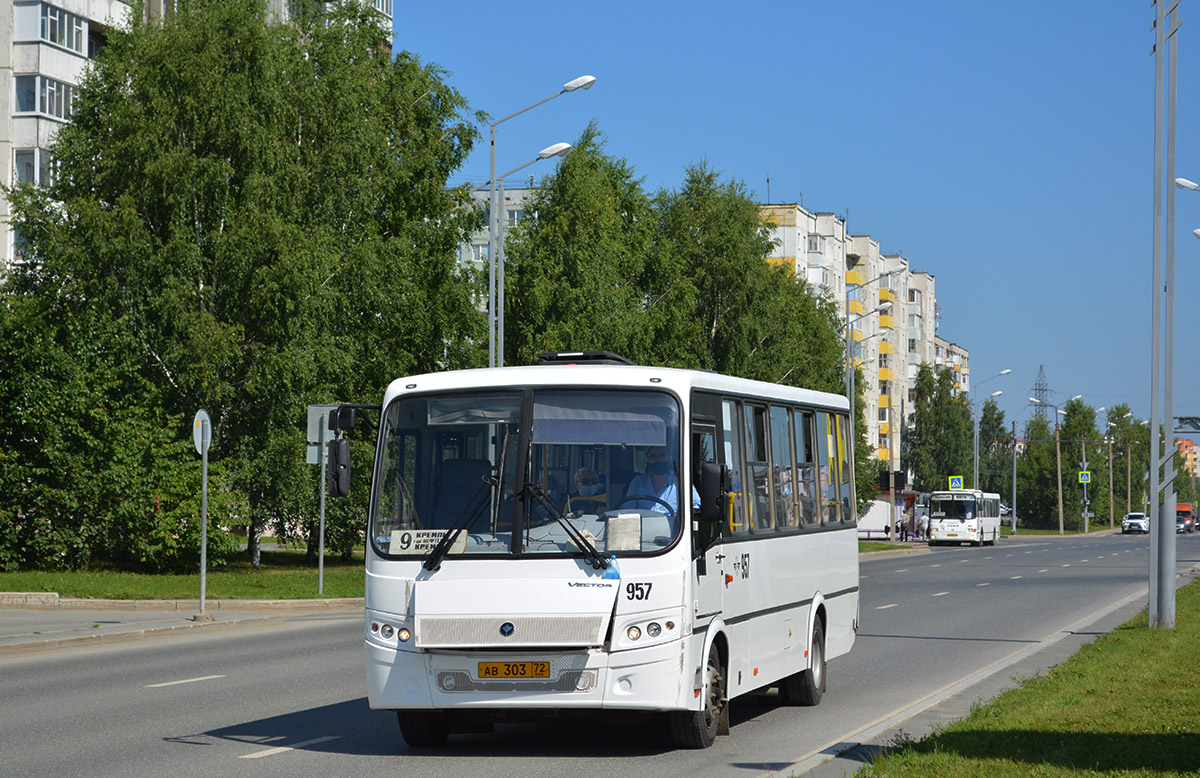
843 457
757 468
806 467
827 462
737 524
783 477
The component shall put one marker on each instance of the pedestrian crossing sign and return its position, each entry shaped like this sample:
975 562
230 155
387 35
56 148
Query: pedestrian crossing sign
1085 476
956 482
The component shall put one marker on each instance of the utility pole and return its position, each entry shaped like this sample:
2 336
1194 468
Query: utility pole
1013 508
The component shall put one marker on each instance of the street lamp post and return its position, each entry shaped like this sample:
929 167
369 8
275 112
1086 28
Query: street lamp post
975 422
1057 450
495 348
853 400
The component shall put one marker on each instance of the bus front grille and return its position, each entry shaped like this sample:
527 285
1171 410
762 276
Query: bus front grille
515 632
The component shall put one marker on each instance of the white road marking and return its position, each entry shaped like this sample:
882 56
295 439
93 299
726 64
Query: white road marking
1067 565
1015 578
293 747
885 607
983 584
186 680
901 571
937 565
1043 571
941 594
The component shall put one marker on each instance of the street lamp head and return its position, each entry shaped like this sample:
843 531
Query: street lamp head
1183 183
1006 371
997 394
1126 416
1077 397
557 150
583 82
1036 401
882 307
1196 233
1100 409
1062 412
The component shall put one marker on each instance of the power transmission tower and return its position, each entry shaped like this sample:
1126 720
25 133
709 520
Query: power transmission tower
1041 392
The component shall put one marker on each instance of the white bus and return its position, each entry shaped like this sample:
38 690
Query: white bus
528 550
964 516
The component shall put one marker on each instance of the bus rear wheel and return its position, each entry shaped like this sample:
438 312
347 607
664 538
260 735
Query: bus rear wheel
807 686
423 728
698 728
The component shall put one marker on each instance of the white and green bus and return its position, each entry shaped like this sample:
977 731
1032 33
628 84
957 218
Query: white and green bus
588 534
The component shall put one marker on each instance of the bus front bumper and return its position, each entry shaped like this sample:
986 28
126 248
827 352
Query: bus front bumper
639 679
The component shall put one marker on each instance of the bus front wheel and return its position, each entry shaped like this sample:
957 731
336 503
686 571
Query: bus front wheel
807 686
423 728
698 728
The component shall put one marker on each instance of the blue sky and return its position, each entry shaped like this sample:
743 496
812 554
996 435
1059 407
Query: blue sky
1007 148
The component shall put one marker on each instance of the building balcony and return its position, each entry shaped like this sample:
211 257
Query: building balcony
885 347
883 454
887 296
886 322
885 401
854 278
884 429
854 306
885 374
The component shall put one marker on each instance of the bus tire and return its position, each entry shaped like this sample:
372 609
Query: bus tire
423 728
807 686
698 728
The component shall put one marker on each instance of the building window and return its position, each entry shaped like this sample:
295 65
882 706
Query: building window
24 165
912 345
515 215
64 29
883 414
883 441
885 387
39 94
912 395
384 5
914 296
481 253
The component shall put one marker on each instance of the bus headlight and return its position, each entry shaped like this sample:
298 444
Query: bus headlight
386 631
633 633
653 629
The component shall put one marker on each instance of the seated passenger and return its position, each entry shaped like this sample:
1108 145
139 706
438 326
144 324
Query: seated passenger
587 496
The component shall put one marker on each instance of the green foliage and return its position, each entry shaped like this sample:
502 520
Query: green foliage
250 218
995 452
940 441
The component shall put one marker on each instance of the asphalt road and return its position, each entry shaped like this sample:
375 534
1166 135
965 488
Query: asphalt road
290 700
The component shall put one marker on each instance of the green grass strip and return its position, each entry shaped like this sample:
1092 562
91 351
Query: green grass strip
283 575
1127 704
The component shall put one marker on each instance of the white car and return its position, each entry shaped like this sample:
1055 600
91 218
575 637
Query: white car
1135 522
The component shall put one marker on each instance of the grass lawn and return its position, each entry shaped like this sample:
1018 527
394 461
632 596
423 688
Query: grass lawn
870 545
1127 704
283 575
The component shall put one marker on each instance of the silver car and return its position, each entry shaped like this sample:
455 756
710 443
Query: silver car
1135 522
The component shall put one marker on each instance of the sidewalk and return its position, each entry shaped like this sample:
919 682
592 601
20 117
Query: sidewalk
33 622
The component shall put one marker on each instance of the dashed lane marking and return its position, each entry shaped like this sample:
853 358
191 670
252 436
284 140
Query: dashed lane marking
185 680
293 747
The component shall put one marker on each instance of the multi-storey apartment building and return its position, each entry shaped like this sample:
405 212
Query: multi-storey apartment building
890 345
955 358
45 46
44 49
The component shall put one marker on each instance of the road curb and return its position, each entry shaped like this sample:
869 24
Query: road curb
126 636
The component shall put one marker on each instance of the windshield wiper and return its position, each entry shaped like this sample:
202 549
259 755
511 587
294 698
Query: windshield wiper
433 562
590 554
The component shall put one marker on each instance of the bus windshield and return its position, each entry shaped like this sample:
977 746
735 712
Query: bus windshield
492 462
952 507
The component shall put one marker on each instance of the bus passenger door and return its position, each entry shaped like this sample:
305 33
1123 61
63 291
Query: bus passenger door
708 587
